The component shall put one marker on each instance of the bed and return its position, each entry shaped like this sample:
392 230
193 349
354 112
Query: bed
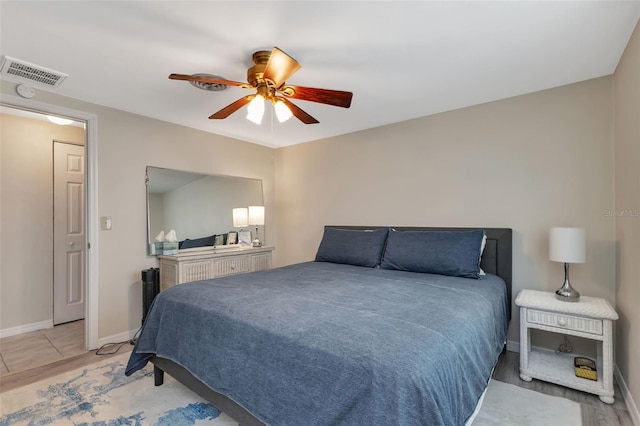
342 340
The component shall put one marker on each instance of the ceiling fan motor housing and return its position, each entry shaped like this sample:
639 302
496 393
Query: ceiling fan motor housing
255 74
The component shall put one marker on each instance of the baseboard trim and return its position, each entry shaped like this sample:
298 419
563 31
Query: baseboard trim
513 346
632 408
27 328
123 337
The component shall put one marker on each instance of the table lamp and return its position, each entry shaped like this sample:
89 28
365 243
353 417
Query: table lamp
567 245
256 217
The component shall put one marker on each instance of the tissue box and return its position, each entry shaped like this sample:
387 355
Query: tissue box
157 247
170 248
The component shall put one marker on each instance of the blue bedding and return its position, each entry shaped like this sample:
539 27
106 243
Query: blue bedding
331 344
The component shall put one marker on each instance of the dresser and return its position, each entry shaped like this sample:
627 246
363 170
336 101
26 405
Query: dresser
206 264
590 318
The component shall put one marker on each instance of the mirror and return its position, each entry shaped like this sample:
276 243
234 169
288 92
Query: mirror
195 205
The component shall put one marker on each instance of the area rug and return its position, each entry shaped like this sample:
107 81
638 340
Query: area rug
101 395
506 404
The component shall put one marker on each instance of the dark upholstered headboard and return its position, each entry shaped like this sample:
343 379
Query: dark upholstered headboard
496 258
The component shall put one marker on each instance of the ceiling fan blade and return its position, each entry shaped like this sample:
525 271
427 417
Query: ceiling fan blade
210 80
231 108
322 96
298 112
280 67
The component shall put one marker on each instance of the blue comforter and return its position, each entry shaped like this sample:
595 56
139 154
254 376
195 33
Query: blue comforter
327 344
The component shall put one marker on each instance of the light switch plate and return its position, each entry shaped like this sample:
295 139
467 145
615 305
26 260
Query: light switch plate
105 223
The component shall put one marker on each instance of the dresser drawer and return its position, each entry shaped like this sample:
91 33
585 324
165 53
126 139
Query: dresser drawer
196 271
569 322
232 265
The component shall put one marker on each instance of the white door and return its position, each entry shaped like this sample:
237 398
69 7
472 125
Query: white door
69 236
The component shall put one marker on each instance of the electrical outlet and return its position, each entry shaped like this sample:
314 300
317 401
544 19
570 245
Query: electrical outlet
105 223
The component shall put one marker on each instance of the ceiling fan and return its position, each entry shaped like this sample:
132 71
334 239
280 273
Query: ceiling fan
268 77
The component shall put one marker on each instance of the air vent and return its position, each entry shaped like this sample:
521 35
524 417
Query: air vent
213 87
25 71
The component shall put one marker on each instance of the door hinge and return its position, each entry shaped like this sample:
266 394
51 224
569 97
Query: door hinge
88 245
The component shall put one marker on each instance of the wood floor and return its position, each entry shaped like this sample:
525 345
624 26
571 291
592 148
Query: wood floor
594 412
34 367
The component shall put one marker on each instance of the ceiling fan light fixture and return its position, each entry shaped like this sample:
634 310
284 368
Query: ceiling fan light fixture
282 111
255 110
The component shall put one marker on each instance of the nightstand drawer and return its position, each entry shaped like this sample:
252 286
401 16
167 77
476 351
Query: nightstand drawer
552 319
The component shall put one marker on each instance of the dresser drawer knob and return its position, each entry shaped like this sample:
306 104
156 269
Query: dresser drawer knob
562 322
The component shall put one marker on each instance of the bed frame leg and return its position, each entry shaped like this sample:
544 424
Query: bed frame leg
158 376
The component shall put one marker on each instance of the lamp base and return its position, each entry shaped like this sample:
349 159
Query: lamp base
256 242
566 293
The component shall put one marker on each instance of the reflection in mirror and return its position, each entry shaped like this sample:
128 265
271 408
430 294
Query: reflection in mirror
195 205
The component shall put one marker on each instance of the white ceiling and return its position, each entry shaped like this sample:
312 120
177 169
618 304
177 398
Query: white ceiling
402 60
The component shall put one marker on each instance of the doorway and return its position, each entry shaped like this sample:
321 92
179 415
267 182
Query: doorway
90 220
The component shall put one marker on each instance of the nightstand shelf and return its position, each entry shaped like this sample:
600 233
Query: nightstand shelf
590 318
558 369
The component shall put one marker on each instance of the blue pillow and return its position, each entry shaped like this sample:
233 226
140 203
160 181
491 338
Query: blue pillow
198 242
454 253
352 247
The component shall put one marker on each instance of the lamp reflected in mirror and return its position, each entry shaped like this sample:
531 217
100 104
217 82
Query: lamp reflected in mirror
240 220
240 217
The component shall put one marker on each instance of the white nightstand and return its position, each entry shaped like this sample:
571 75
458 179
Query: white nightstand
590 318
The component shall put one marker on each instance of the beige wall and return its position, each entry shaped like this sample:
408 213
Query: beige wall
26 211
529 163
127 143
627 209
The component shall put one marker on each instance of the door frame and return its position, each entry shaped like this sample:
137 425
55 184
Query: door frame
92 221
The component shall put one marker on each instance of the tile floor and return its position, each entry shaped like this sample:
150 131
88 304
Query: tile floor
41 347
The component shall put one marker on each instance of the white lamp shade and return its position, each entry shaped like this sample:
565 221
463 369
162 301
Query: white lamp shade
240 216
256 215
567 245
